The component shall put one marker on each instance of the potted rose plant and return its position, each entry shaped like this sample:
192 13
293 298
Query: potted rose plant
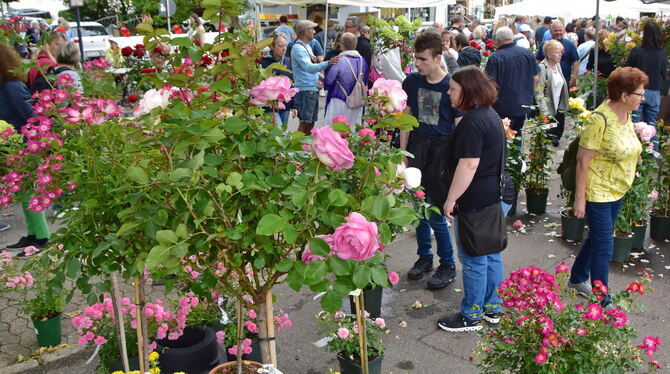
341 331
540 332
660 213
536 177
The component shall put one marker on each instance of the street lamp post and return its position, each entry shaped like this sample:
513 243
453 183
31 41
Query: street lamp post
76 4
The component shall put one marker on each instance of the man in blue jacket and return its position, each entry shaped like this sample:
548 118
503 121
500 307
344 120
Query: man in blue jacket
306 75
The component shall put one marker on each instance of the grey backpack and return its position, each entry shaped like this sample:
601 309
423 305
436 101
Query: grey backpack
355 98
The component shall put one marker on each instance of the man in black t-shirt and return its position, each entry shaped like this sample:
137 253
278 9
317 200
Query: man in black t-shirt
428 101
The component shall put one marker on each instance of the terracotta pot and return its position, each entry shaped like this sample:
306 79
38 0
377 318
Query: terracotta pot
227 365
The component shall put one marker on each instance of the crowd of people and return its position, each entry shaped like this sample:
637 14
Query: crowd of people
458 95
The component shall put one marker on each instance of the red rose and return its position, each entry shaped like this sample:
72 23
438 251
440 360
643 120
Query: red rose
126 51
148 70
132 98
486 53
139 53
487 41
473 43
477 46
139 46
224 53
206 60
158 49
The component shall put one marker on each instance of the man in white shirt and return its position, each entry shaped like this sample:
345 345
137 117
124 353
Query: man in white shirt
585 48
522 38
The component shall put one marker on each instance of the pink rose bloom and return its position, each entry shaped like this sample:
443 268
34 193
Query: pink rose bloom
331 149
393 277
100 340
356 239
343 333
308 257
367 132
396 98
380 322
82 341
252 314
653 194
220 335
251 326
340 118
272 89
517 224
581 332
420 194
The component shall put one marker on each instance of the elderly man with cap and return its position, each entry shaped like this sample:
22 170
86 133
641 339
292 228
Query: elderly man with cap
523 37
515 71
306 75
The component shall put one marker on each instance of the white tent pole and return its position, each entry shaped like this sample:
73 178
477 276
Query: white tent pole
325 32
595 59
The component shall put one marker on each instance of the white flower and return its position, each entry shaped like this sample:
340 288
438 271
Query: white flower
411 177
152 99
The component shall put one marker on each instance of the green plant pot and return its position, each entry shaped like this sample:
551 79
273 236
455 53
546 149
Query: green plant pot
348 366
639 232
622 247
536 202
572 227
659 228
373 301
48 331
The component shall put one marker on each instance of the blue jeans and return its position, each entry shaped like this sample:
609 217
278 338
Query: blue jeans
281 118
594 257
424 242
481 277
649 107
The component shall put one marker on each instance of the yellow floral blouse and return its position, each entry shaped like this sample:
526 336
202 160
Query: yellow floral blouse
612 170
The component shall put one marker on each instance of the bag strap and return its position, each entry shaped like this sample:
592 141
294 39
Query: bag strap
356 76
502 165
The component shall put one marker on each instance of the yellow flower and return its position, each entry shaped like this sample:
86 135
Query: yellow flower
630 45
153 356
178 372
118 372
584 115
154 371
576 103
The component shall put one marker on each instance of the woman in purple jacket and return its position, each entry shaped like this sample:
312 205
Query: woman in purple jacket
340 81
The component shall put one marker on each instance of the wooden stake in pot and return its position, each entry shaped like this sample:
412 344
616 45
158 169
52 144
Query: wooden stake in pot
362 332
118 317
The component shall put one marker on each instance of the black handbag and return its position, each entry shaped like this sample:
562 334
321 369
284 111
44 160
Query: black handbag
484 232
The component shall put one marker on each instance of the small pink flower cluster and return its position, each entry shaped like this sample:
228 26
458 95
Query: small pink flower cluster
10 183
92 111
530 289
21 281
246 348
13 26
282 321
6 133
650 345
644 131
98 63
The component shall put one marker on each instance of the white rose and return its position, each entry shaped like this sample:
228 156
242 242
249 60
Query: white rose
411 177
152 99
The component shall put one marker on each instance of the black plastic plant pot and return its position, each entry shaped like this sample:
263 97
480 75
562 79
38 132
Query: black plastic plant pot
372 303
536 201
639 232
659 228
622 248
572 227
255 354
195 352
348 366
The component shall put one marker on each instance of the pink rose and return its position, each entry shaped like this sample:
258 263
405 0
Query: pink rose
380 322
420 194
220 335
394 98
393 277
272 89
340 118
100 340
307 256
653 194
343 332
356 239
331 149
517 224
366 132
645 131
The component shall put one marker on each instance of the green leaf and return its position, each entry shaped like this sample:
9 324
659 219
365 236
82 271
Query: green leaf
160 218
182 231
235 125
73 268
339 267
166 237
235 179
362 276
341 127
284 265
295 279
157 256
403 216
380 208
137 174
319 247
379 276
270 224
259 263
127 227
144 29
337 197
316 270
180 250
407 122
290 233
247 148
331 301
343 286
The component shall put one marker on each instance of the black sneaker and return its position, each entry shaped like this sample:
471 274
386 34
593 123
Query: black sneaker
422 265
492 317
23 242
458 323
40 243
555 142
444 275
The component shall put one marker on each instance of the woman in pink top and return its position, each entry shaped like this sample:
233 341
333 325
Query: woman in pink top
45 58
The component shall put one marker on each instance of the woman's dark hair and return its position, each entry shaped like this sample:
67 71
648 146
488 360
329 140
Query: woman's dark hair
461 40
430 40
625 80
651 36
570 27
9 60
477 89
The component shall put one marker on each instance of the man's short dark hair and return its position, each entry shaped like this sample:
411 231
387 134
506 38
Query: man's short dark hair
547 20
283 19
429 40
462 40
456 19
619 19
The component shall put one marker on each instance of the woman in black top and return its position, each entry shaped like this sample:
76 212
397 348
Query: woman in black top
652 59
476 166
605 63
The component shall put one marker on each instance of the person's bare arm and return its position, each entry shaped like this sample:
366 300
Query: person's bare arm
575 72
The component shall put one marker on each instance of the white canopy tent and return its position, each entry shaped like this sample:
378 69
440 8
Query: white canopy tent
569 9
